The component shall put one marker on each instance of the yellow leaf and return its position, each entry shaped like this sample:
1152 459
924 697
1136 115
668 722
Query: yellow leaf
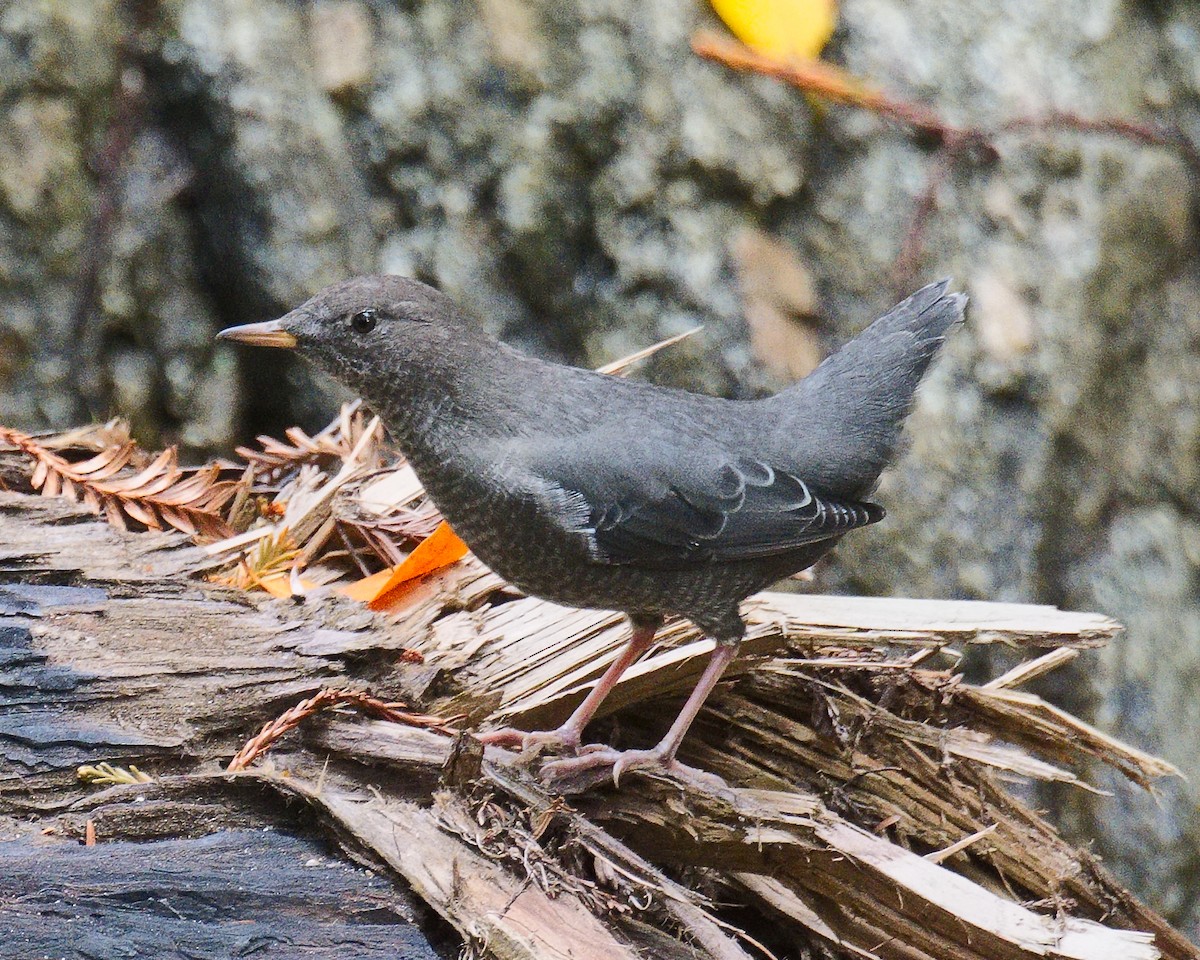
784 29
440 549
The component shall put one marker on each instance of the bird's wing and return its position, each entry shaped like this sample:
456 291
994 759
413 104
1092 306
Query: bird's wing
701 505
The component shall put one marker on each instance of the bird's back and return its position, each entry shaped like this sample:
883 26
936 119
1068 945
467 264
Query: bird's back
836 429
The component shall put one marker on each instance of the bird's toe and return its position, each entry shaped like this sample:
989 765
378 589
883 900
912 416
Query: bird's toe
594 748
596 763
649 760
506 737
531 743
562 740
592 765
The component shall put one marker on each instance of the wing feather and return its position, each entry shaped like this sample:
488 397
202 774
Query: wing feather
709 508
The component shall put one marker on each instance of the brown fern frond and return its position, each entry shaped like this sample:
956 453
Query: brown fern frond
277 459
95 437
159 495
323 700
392 538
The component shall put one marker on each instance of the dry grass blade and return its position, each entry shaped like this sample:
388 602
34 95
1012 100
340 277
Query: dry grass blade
105 774
159 495
621 367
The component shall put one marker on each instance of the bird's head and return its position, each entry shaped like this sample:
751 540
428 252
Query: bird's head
374 333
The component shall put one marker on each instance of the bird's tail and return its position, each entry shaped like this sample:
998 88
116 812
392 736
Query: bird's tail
846 415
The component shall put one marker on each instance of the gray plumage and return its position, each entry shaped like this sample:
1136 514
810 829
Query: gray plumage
596 491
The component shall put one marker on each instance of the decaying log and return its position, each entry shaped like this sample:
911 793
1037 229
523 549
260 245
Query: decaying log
220 895
865 809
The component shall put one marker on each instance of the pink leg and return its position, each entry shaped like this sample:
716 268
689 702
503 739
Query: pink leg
570 733
661 756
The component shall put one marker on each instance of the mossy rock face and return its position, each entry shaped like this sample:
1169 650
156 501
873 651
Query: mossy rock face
579 181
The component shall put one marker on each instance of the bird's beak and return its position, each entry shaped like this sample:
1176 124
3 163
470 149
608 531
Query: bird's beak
269 334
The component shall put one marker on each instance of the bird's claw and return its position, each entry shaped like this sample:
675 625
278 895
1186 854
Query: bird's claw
588 767
594 748
533 742
597 757
643 759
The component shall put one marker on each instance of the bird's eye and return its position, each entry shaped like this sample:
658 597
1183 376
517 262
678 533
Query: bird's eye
364 321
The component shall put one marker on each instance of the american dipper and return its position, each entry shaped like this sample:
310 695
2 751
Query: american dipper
594 491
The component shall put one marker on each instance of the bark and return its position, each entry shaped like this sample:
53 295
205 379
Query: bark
846 756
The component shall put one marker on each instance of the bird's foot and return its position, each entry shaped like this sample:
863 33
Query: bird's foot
596 763
533 742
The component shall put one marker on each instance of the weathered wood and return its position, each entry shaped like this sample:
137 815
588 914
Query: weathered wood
763 835
182 668
114 648
418 752
225 894
543 656
484 901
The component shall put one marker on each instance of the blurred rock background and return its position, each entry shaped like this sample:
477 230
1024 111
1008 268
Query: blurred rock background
585 185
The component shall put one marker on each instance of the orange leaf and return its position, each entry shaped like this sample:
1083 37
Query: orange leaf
440 549
368 588
279 585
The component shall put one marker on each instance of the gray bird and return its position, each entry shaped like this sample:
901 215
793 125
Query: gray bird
594 491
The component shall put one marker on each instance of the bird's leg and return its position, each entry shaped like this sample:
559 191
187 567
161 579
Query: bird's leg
662 756
569 734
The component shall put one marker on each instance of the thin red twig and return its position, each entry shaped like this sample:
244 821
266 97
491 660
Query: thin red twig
826 81
954 143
